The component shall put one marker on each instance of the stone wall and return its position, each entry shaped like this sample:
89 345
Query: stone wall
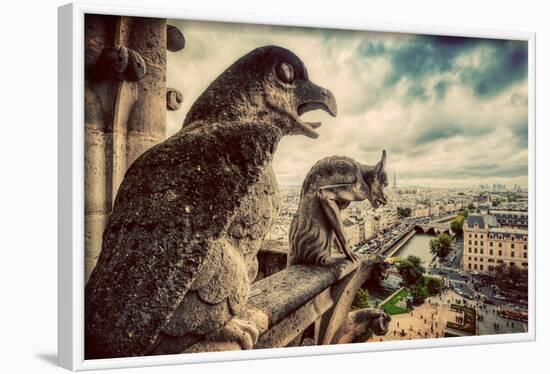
272 258
125 107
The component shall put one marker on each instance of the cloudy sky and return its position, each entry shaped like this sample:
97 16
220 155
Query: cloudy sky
451 112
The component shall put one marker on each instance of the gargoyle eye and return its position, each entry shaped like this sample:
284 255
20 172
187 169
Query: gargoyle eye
285 72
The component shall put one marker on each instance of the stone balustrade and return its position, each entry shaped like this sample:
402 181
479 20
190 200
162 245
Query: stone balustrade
301 305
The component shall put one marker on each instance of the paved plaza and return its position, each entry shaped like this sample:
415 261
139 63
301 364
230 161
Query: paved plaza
428 320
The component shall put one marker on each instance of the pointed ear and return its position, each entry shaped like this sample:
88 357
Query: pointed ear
381 164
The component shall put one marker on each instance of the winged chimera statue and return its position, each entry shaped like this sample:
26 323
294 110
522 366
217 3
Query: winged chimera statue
330 186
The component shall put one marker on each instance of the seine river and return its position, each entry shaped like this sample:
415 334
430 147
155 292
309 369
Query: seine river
418 245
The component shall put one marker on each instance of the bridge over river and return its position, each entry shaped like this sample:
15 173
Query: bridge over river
435 227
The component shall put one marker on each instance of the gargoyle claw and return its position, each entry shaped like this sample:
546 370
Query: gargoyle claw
243 332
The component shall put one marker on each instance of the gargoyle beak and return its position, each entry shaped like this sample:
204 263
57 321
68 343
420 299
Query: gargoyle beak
379 201
312 97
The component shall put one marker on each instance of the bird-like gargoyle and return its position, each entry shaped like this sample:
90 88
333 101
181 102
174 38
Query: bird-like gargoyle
179 250
330 186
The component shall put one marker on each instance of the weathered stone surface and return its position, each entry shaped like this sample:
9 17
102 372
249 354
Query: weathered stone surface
174 98
360 321
329 187
122 63
272 258
123 117
290 329
191 213
307 302
284 292
175 41
307 342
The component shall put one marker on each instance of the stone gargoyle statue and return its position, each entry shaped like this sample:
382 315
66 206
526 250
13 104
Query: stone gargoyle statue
361 321
329 187
179 250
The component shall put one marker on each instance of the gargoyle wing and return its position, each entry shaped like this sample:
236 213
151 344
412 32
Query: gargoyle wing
174 202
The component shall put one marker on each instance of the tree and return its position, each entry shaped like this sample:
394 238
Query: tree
419 293
456 225
434 285
403 212
361 299
512 278
411 270
441 246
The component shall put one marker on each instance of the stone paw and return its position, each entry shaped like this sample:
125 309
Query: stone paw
243 332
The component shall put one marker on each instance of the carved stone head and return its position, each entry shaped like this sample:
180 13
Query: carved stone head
377 181
268 85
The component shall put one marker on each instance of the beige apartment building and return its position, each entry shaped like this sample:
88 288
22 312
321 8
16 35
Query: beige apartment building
489 241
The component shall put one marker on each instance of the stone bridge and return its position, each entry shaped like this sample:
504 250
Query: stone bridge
434 228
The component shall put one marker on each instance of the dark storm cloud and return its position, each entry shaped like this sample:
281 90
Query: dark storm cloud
418 92
433 103
520 131
503 63
507 64
438 131
441 88
427 55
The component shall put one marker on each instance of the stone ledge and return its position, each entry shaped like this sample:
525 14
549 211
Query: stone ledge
282 293
285 304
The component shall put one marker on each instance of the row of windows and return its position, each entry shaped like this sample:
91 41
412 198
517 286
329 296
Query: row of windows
512 253
499 244
491 267
492 236
511 215
475 266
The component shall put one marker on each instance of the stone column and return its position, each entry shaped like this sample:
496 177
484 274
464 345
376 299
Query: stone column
125 108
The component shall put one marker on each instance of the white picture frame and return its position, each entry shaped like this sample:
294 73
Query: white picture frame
71 187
